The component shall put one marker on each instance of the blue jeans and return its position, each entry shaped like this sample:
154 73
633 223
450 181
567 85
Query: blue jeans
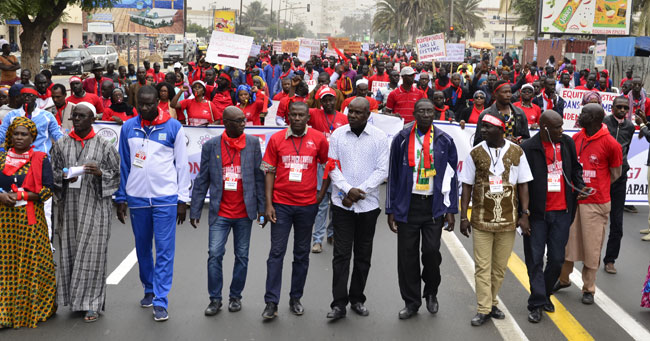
241 229
302 220
321 218
551 233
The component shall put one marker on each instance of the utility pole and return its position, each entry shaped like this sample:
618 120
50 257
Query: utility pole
451 20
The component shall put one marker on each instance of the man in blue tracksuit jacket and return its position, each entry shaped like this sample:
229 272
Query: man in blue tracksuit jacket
155 184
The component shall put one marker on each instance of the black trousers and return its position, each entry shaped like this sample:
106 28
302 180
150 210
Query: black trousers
354 232
617 193
420 222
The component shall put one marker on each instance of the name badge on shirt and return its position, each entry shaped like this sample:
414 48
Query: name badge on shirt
496 184
140 157
555 181
230 182
295 172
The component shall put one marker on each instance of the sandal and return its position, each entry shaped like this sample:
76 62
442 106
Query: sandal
91 316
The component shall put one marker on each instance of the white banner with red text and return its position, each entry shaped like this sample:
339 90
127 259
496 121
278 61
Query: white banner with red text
637 186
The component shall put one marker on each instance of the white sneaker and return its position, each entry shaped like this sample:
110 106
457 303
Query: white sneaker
646 231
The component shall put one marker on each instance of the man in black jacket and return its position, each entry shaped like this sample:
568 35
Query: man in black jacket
556 171
516 122
456 95
622 130
548 99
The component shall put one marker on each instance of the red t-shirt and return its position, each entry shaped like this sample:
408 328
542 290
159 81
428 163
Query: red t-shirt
158 77
555 201
304 152
283 107
597 154
374 106
199 113
90 85
109 113
532 114
378 78
402 101
252 110
164 107
280 95
326 123
88 97
531 78
221 101
232 202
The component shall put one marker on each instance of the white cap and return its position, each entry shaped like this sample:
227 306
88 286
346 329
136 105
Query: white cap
89 106
178 65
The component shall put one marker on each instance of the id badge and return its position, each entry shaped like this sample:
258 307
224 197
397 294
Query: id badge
554 182
230 183
140 157
295 172
496 184
76 184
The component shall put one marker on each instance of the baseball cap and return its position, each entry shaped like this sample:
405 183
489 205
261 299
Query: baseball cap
407 71
325 91
178 65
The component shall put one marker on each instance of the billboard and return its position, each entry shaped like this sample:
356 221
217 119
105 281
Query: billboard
607 17
224 21
137 16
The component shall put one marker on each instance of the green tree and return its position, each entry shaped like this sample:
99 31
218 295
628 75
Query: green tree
200 31
527 11
38 19
354 27
642 26
468 17
255 14
389 18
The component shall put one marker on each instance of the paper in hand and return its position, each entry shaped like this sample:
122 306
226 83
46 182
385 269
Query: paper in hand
75 171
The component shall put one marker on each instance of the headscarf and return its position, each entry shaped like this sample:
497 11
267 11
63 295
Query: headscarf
247 88
591 95
262 82
19 121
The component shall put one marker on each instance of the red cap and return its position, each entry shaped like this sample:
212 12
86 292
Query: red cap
74 79
324 91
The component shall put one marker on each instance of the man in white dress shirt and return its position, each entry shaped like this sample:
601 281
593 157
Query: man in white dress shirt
357 166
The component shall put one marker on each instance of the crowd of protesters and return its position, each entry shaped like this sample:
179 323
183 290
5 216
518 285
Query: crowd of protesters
327 162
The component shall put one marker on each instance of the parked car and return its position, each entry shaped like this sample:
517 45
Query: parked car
72 61
103 55
174 53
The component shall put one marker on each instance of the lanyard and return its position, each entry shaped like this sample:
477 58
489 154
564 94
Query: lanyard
330 124
232 160
497 153
294 145
582 146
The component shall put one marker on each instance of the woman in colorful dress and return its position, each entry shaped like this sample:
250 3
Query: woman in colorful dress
27 274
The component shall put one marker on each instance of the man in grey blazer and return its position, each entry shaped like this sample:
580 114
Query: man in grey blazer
230 168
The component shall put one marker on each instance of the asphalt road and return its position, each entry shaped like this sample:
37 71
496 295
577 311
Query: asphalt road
124 319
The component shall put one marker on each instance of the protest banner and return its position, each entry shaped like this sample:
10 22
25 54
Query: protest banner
455 53
573 105
365 47
600 52
229 49
376 85
290 46
340 43
637 186
277 47
353 47
332 53
431 47
304 53
311 84
313 44
255 50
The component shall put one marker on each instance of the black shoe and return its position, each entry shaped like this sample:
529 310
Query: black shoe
213 307
587 298
479 319
535 315
406 313
271 311
432 304
549 307
234 305
360 309
558 286
296 307
496 313
336 313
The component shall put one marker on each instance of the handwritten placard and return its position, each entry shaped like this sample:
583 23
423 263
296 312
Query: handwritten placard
229 49
431 47
290 46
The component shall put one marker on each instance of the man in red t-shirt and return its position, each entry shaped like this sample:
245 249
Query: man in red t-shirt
80 95
225 161
550 153
401 101
380 76
602 159
290 161
532 110
325 120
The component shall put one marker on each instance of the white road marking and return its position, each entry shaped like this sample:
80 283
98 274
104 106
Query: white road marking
116 276
614 311
508 328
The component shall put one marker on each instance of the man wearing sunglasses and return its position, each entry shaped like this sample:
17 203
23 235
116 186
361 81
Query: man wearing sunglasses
622 130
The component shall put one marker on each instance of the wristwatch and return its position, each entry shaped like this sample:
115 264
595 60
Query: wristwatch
526 212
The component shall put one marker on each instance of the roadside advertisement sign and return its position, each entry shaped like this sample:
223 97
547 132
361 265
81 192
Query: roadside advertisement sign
603 17
141 16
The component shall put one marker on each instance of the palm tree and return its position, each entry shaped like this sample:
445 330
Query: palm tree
417 11
389 18
255 14
642 26
469 16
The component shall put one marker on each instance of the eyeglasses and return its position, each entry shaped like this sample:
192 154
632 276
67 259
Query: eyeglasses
239 121
626 107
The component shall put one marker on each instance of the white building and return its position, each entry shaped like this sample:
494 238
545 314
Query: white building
497 31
